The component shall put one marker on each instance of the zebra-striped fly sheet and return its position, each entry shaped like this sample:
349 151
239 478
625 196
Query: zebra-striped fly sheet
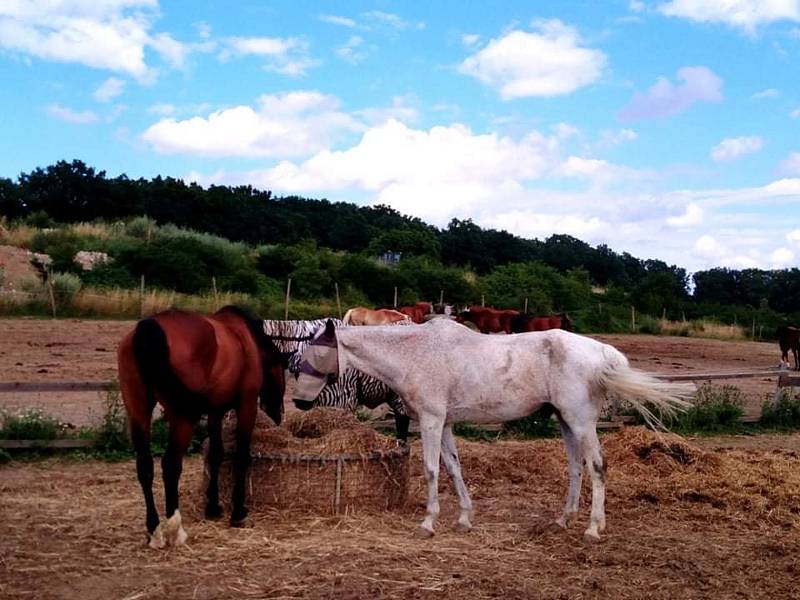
352 388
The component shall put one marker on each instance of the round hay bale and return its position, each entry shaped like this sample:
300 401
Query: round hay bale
322 461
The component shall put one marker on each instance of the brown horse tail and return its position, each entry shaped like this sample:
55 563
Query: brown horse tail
151 350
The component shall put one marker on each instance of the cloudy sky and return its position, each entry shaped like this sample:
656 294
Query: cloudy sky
668 129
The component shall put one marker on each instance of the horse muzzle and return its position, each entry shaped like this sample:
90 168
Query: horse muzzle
303 404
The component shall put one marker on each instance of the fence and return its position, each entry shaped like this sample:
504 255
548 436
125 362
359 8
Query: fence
785 379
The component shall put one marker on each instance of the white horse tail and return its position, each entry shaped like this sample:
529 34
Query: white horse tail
348 317
643 390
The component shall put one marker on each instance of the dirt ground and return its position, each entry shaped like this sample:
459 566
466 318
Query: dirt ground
85 350
682 523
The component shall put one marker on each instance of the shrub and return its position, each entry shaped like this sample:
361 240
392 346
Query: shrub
111 434
65 287
784 413
473 432
716 408
30 424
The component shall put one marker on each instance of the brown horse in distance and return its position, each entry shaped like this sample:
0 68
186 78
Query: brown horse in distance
789 339
488 320
417 312
526 322
367 316
193 364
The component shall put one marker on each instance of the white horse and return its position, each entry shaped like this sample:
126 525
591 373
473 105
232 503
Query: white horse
446 374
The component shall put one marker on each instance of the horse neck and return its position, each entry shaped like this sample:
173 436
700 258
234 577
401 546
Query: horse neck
374 351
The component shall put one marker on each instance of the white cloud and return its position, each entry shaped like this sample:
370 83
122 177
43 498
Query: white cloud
551 61
795 114
402 109
790 165
109 89
392 20
692 217
768 94
782 258
731 149
287 56
794 236
291 124
110 35
352 51
599 172
609 139
70 116
470 39
636 5
747 15
337 20
665 99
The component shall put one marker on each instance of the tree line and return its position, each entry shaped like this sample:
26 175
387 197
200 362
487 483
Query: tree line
71 192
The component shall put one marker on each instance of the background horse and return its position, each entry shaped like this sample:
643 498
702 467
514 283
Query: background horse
488 320
192 365
447 374
789 339
525 322
367 316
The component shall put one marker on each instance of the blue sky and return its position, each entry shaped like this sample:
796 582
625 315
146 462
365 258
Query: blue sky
665 128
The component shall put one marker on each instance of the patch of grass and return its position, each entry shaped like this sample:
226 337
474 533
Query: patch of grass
111 435
537 425
785 414
30 424
715 409
5 457
476 433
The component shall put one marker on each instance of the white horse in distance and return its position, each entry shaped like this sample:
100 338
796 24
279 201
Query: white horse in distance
447 374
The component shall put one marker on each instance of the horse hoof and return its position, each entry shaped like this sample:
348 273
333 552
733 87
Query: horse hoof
213 511
591 537
176 534
424 533
463 527
156 539
239 523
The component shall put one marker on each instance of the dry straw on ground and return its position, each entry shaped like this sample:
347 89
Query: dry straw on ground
682 523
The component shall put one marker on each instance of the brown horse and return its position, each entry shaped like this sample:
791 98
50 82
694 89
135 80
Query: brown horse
192 365
488 320
417 312
526 322
789 339
367 316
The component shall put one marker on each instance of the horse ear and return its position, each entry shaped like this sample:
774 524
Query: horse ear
330 328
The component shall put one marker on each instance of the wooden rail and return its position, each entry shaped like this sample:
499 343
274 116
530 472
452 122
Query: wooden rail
720 376
57 386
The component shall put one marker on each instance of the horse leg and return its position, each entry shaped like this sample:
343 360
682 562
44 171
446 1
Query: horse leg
180 436
215 455
245 421
431 432
575 474
140 436
596 464
453 466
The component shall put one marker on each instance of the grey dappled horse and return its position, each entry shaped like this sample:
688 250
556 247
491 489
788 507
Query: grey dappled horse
447 374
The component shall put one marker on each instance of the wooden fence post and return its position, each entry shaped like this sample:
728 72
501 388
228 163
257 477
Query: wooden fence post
441 297
633 318
288 295
525 310
214 289
395 297
141 297
338 301
51 293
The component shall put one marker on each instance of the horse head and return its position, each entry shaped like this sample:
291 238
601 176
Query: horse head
320 364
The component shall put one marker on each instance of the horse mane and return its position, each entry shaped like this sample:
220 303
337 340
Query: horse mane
254 324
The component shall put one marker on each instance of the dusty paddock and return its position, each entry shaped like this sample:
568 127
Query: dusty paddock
71 349
683 524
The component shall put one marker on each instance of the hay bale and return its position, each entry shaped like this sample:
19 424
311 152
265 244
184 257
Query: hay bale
323 461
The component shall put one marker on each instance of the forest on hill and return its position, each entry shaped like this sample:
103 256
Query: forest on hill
180 236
